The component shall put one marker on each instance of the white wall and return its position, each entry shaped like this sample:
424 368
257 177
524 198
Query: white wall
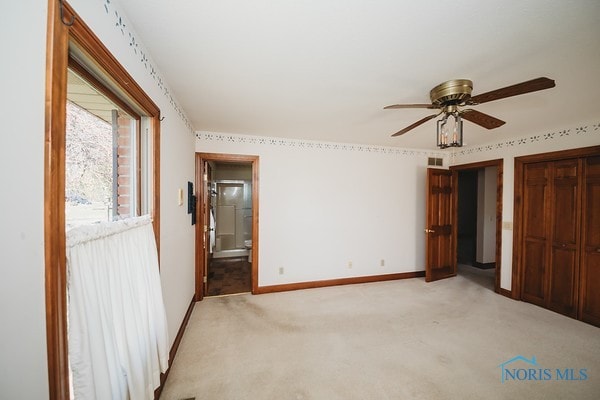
323 205
23 365
586 134
22 303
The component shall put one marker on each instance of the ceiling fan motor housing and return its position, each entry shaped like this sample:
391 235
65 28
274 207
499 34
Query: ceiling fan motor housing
451 92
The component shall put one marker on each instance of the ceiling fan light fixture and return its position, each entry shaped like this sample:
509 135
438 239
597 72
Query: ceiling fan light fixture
451 95
455 91
450 131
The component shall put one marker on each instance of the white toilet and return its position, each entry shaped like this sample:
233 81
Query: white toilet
248 245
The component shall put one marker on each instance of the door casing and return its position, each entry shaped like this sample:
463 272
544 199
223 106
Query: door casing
201 265
499 164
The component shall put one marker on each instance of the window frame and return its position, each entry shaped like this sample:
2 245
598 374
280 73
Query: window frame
59 35
134 175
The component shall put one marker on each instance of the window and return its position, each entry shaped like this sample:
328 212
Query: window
126 122
101 156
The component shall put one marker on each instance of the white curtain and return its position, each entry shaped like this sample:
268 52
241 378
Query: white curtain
118 339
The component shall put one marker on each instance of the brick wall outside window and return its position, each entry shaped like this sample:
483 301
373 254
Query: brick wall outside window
124 166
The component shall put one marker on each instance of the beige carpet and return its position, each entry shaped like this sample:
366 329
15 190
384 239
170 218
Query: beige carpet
391 340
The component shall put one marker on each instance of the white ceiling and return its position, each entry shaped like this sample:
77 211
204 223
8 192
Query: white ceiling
324 69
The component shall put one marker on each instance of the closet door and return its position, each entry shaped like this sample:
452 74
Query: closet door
589 300
535 232
563 247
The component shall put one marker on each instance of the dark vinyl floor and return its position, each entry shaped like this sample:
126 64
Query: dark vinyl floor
229 276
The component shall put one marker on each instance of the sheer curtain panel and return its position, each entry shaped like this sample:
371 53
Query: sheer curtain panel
118 339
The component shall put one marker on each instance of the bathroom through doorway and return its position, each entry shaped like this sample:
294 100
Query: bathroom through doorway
226 244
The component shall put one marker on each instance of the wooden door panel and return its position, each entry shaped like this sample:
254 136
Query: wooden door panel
535 195
208 228
564 252
589 294
535 200
565 201
563 278
591 209
565 222
440 250
534 288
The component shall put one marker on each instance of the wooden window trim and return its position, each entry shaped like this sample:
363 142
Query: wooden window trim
57 60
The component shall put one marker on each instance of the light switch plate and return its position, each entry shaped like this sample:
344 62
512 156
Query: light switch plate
507 225
180 197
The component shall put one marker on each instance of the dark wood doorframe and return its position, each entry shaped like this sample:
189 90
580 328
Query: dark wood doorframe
499 164
200 215
520 162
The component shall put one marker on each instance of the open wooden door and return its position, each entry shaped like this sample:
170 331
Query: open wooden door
440 259
203 226
208 226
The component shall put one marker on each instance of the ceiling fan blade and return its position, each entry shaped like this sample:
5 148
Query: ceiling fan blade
481 119
431 106
520 88
419 122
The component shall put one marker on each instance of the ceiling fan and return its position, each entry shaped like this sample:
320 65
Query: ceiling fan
452 96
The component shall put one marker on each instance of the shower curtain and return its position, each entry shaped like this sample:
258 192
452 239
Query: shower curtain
118 339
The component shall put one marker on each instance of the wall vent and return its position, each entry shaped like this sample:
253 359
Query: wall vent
437 162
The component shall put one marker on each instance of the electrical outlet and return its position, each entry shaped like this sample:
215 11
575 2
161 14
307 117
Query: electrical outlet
382 262
349 264
280 270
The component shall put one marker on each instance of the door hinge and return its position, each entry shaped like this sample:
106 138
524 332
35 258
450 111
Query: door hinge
205 280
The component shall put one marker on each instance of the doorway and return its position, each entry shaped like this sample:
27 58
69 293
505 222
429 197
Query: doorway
227 232
466 250
478 199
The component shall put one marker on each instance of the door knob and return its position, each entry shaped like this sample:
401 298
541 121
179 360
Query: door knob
429 231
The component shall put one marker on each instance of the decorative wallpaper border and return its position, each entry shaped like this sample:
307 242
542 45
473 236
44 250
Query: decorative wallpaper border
451 156
140 53
538 138
313 144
